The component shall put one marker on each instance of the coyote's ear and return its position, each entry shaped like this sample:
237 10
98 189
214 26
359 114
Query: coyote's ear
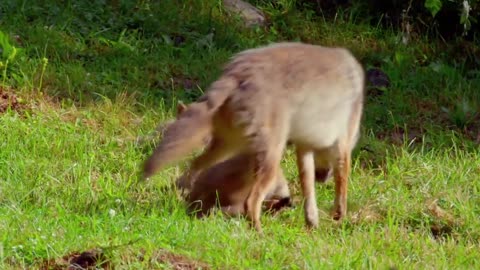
181 108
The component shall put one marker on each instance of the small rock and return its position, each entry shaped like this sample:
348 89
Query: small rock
251 15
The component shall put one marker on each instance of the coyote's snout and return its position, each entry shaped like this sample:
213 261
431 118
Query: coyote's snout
309 95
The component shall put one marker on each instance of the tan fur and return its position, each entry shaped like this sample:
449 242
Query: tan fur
191 129
309 95
228 184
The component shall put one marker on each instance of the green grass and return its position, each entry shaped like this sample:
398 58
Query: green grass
69 156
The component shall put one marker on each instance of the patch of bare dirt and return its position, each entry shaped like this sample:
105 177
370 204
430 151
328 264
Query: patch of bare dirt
8 100
376 81
369 213
92 259
178 262
96 259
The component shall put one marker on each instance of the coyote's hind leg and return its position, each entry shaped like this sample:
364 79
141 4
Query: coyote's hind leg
341 174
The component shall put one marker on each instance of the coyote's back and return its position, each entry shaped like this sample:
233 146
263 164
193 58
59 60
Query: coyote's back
311 89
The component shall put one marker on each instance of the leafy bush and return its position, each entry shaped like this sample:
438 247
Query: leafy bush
8 55
449 18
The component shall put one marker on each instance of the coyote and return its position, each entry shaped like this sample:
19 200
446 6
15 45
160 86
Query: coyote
307 94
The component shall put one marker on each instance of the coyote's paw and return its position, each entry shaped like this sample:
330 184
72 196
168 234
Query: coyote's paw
311 214
339 213
252 216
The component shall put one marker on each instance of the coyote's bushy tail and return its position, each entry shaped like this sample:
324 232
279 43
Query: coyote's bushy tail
192 127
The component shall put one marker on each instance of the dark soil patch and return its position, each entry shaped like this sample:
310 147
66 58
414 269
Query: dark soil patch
440 231
472 131
376 81
91 259
8 100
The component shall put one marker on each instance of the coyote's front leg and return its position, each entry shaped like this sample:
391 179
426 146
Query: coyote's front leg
306 169
267 164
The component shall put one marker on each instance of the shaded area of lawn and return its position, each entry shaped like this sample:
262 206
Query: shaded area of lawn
77 53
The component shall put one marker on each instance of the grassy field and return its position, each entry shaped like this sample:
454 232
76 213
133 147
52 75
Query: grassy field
80 83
